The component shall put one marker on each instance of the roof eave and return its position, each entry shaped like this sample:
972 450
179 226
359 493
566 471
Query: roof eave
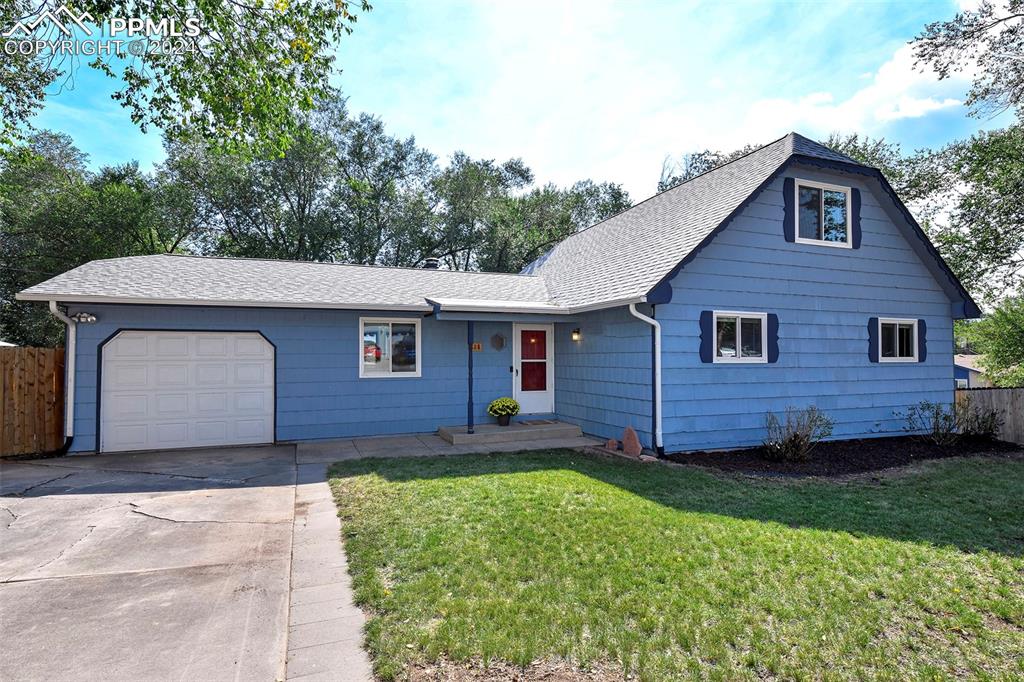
124 300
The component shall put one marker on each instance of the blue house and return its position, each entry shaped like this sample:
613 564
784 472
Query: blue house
792 276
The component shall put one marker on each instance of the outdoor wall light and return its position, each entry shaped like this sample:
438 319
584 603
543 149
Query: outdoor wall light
84 318
576 334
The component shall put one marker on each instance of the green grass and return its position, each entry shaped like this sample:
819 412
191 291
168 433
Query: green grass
680 573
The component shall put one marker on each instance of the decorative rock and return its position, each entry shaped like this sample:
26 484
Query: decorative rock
612 444
631 442
648 458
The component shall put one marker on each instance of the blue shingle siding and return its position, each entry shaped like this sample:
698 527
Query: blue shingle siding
319 392
823 297
603 382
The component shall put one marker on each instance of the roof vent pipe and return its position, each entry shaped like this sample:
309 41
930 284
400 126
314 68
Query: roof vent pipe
431 263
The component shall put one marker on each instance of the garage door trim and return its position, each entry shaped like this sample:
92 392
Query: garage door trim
119 330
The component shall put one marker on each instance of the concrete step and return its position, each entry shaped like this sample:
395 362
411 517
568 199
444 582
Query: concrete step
526 430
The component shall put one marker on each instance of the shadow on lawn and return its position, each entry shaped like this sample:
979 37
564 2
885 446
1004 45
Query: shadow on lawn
970 504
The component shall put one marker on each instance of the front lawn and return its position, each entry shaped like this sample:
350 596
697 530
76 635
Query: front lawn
676 572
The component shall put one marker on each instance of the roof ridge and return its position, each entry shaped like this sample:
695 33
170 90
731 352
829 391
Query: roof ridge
321 262
669 189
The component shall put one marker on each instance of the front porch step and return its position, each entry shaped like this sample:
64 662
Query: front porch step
523 431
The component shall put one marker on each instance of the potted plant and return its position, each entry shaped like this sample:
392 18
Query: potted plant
504 409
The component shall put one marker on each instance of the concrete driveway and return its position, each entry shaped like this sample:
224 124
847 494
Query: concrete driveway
174 565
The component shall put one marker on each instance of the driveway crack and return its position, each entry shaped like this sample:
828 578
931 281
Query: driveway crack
39 485
88 532
136 510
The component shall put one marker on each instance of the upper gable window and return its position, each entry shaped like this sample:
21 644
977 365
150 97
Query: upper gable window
823 214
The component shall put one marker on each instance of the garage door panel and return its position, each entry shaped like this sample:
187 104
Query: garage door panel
131 376
211 374
171 375
251 430
207 403
169 435
213 345
251 402
168 346
218 390
131 345
172 405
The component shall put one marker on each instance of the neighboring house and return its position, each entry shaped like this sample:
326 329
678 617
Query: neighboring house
791 276
967 372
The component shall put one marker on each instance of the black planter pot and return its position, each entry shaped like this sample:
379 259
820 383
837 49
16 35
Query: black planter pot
504 419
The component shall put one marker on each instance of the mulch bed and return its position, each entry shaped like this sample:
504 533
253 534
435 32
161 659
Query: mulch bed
844 457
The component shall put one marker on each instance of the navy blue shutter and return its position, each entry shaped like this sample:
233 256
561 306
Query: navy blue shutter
773 337
873 339
855 218
789 210
707 336
922 341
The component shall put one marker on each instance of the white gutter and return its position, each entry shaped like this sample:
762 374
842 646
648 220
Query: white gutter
658 440
69 370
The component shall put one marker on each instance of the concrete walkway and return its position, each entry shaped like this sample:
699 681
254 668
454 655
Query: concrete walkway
203 564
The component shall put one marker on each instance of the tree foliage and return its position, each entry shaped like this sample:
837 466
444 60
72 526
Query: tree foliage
344 191
1000 337
239 84
990 36
689 165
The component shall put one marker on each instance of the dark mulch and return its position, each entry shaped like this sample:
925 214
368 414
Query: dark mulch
842 457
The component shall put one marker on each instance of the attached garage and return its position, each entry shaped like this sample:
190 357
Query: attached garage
171 389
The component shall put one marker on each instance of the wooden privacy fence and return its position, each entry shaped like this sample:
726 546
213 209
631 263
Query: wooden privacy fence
31 400
1008 401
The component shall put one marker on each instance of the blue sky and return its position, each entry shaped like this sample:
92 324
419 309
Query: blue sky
605 90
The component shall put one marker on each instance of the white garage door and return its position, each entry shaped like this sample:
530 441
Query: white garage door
186 389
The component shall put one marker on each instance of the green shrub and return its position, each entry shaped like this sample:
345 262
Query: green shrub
936 420
501 407
793 439
945 424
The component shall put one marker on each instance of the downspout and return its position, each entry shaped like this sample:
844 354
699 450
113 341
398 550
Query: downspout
69 375
659 443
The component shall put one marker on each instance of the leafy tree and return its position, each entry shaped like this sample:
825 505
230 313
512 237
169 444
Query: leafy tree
992 36
521 228
55 215
690 165
983 240
238 83
1000 336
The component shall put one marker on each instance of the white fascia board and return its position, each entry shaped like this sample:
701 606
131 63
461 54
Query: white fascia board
80 299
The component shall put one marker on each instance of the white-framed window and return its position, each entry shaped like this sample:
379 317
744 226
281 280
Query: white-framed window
741 337
961 383
897 340
389 347
823 214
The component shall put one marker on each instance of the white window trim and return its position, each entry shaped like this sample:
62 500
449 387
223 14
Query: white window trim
897 320
363 321
797 183
962 384
739 360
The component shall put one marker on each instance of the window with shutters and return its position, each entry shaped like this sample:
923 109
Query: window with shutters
740 337
823 214
897 340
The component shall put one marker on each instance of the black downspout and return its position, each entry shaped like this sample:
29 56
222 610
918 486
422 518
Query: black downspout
469 403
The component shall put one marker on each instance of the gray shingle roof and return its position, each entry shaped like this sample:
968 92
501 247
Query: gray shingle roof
628 254
616 261
242 281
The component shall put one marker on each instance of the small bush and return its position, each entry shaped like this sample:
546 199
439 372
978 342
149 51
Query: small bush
938 421
793 439
501 407
945 425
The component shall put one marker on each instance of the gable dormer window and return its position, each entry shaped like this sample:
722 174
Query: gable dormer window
823 214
